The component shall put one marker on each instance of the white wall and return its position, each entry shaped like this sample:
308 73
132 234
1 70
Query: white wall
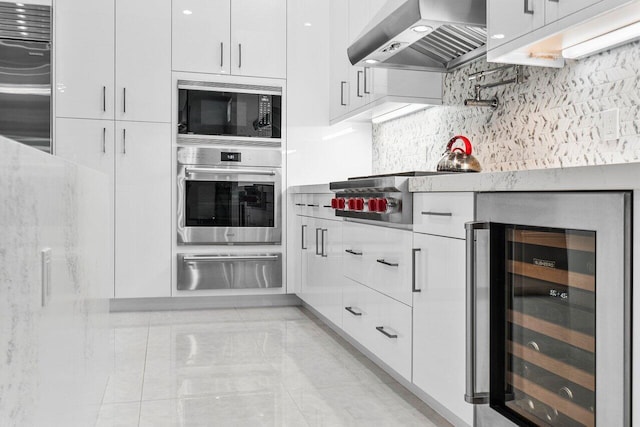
54 359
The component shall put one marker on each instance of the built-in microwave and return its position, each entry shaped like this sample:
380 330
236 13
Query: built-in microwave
227 111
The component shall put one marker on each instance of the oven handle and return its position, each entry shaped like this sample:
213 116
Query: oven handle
471 395
219 171
222 258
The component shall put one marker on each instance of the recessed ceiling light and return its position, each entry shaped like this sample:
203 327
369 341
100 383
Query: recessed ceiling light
371 61
307 24
187 12
497 36
421 28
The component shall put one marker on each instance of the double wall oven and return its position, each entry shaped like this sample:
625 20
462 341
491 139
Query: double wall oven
548 301
229 186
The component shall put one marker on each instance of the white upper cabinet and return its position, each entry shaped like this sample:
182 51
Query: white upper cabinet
510 19
259 38
201 36
143 60
340 65
239 37
84 51
556 9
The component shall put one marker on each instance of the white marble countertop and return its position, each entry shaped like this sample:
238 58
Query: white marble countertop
609 177
309 189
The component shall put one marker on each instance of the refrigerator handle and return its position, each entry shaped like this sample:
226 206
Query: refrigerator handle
471 395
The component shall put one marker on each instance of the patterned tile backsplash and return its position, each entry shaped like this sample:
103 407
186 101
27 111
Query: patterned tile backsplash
554 119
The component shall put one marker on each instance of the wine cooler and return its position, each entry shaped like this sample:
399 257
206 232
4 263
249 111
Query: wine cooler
548 301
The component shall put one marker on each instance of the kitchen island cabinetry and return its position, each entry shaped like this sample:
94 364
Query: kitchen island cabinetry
239 37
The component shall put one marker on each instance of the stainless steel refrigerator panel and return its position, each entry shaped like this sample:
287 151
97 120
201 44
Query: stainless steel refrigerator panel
25 92
242 271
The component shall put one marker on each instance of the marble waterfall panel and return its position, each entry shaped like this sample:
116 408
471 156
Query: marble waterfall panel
55 357
552 120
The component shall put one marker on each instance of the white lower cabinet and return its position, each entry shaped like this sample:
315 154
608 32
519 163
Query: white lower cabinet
439 322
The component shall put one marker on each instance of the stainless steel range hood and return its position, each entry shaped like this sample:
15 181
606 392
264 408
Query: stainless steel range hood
430 35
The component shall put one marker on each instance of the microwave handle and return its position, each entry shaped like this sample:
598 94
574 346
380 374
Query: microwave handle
221 171
471 395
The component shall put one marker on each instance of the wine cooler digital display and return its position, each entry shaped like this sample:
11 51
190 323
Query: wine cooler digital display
549 324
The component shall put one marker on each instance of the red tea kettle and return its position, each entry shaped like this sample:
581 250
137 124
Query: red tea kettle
457 159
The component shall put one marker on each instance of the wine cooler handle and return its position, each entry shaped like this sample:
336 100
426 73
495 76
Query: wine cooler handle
471 395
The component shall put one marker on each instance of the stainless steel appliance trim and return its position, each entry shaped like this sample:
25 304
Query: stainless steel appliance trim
414 252
350 310
390 264
217 171
237 141
385 333
219 258
211 157
229 87
471 395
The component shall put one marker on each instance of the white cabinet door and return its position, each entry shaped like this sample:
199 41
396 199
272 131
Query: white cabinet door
339 71
510 19
84 54
556 9
90 143
259 38
143 60
143 210
201 32
439 322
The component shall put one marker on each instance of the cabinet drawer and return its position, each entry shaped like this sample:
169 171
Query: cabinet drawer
388 263
443 214
392 332
356 314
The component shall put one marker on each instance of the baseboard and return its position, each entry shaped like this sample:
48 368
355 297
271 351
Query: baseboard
434 404
203 302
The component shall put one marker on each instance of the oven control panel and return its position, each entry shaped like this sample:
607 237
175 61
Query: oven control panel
379 205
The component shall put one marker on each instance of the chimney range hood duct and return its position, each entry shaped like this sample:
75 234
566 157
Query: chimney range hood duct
428 35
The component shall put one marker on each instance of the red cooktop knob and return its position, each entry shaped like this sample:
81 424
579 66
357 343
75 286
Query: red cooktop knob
360 204
352 204
334 203
382 205
341 203
373 205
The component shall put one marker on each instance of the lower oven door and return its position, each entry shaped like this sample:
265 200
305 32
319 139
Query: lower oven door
558 321
200 272
221 205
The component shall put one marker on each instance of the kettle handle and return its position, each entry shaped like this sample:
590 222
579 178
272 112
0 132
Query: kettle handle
467 144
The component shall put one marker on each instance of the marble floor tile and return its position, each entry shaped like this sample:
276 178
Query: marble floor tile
276 366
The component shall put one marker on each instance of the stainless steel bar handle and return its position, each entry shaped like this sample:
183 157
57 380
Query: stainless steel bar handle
313 206
124 99
318 230
344 104
104 98
239 55
350 310
366 91
352 252
269 172
304 227
221 54
104 140
124 141
430 213
471 395
323 252
300 204
555 1
358 85
223 258
527 10
390 264
413 271
385 333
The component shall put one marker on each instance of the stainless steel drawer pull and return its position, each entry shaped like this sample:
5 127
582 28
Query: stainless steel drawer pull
430 213
104 98
221 54
326 206
342 84
323 252
318 231
527 10
223 258
413 272
300 204
104 140
222 171
390 264
385 333
124 99
313 206
304 227
350 310
349 251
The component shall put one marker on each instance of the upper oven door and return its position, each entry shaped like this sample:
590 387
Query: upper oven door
229 112
223 203
559 295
